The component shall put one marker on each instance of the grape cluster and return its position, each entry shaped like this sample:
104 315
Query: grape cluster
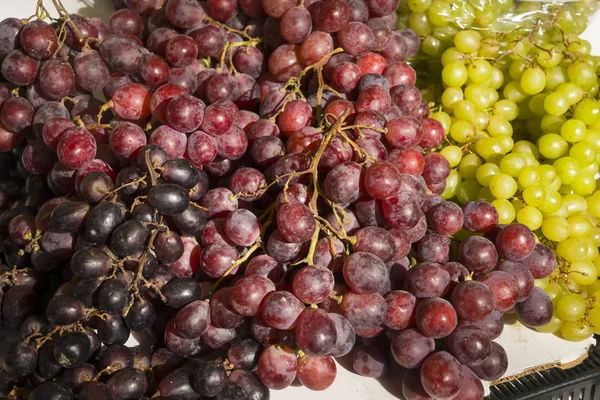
522 123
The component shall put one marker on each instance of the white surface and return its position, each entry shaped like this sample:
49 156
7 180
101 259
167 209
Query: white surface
526 349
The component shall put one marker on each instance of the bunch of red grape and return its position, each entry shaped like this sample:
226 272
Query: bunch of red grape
248 209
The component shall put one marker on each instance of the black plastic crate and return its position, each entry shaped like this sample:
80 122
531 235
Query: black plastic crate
581 382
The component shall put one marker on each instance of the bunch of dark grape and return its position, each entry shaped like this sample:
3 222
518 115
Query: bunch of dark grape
248 200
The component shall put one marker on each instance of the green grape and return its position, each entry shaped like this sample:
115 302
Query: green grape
567 169
534 195
547 174
584 185
431 46
454 74
445 33
584 153
583 272
503 186
463 131
555 76
551 123
443 119
506 109
553 290
555 185
533 80
518 49
496 80
591 169
536 105
488 147
556 104
517 68
580 46
505 142
555 228
485 173
489 48
588 216
552 202
532 126
464 15
419 22
548 58
467 191
452 182
572 92
573 130
484 194
481 97
506 211
580 226
451 96
529 176
593 204
551 327
513 91
467 41
439 13
499 126
593 252
484 18
453 154
469 165
593 137
418 5
575 331
572 249
512 164
451 55
570 307
593 317
481 120
552 146
464 110
587 110
524 146
530 159
594 289
575 203
480 71
530 217
542 282
596 236
582 74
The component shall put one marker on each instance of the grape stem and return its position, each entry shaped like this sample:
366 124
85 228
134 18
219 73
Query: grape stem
257 245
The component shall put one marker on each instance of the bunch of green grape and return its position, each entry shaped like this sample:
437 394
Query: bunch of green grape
523 132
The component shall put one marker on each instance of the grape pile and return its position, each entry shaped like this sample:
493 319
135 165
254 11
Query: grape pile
249 209
522 122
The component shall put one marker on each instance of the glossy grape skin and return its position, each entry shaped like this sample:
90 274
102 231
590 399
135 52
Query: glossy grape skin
480 216
521 274
281 310
427 279
541 262
16 114
364 273
313 284
330 15
51 390
315 332
277 367
401 307
494 366
442 375
184 13
515 242
222 312
364 311
208 378
473 301
536 310
345 336
445 218
435 317
504 287
20 360
410 348
247 294
369 361
129 383
316 373
478 254
72 349
470 345
19 68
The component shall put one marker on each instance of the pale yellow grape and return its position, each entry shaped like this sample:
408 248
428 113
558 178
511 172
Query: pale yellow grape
584 184
593 317
582 74
467 41
583 272
488 147
489 47
552 146
454 74
556 228
481 119
555 185
573 130
570 307
547 174
443 119
496 80
549 59
596 236
506 211
467 191
553 290
451 55
571 91
480 71
453 154
506 109
567 169
593 204
555 76
517 68
584 153
575 203
484 194
512 164
481 97
593 137
572 249
580 226
464 109
418 5
575 331
556 104
451 96
536 105
534 195
551 327
591 218
587 110
513 91
591 169
452 182
439 13
419 22
552 123
530 217
525 146
463 131
485 173
468 166
499 126
541 283
503 186
529 176
593 252
552 201
533 80
505 142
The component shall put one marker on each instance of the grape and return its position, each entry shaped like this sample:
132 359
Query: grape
313 284
442 375
315 332
277 367
364 311
480 216
410 348
208 378
521 274
248 293
427 279
504 287
494 366
128 383
364 273
435 317
72 349
16 114
51 390
315 47
19 68
470 345
515 242
330 15
20 360
369 361
541 262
